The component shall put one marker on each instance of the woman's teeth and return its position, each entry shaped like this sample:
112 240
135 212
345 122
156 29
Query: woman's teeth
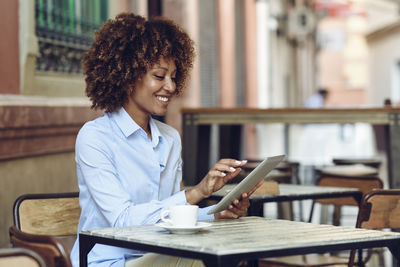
162 98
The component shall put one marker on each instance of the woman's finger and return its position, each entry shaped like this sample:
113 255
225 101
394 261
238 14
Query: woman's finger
232 162
238 209
255 188
242 205
225 168
227 214
216 173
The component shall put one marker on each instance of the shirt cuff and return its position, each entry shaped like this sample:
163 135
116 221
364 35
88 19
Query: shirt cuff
203 216
178 198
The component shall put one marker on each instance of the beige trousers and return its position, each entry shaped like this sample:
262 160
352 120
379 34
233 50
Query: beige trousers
159 260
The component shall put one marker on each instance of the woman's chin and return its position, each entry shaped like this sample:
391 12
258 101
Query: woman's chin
159 113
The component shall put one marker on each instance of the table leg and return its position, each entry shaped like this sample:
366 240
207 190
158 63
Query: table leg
256 208
85 246
195 150
230 137
360 258
395 249
393 147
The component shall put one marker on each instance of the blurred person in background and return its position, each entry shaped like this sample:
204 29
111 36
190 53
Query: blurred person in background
317 100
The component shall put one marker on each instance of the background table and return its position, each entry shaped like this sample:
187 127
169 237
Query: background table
227 242
197 132
290 192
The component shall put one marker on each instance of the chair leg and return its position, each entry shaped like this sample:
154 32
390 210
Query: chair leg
336 215
301 214
285 210
351 258
311 211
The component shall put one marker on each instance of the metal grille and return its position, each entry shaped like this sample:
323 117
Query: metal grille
65 31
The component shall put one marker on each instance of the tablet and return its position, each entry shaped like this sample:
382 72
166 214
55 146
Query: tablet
258 174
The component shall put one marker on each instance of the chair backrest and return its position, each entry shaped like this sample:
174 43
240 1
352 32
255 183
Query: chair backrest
379 209
363 183
47 224
53 214
17 257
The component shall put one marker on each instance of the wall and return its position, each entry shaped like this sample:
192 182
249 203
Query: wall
9 72
342 60
382 64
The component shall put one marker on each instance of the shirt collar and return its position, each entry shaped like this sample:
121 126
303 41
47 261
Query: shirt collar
128 126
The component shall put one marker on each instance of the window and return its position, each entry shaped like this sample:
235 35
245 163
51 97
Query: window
64 29
395 90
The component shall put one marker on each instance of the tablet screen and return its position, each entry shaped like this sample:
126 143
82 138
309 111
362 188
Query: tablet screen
258 174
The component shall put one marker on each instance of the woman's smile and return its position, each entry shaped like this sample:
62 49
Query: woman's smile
164 99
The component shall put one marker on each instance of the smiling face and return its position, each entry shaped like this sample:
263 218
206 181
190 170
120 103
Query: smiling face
153 92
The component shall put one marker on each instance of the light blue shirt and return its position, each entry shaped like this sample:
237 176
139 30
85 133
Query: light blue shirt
315 101
125 179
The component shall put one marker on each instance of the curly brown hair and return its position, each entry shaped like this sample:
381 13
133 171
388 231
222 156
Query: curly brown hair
124 49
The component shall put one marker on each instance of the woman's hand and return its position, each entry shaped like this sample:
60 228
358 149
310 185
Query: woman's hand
238 208
223 171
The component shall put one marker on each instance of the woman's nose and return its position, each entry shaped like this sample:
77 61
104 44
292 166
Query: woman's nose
169 85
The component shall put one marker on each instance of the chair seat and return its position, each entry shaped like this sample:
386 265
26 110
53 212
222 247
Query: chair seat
304 260
17 257
350 170
372 162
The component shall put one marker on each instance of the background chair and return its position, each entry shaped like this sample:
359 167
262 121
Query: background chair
379 209
46 224
354 176
17 257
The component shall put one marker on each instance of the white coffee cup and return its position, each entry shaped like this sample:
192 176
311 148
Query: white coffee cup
181 215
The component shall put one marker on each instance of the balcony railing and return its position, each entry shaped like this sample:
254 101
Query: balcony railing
65 31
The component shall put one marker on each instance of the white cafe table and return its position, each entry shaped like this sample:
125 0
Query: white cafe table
227 242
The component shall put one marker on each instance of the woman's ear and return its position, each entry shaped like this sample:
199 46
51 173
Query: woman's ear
130 90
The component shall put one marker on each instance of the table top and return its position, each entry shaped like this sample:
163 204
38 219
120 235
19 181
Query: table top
198 116
251 236
295 192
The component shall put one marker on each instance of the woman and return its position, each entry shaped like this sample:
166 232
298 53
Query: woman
128 164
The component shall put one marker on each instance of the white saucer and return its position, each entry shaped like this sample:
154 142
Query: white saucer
184 230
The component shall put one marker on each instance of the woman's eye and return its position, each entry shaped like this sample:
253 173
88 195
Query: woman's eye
159 77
